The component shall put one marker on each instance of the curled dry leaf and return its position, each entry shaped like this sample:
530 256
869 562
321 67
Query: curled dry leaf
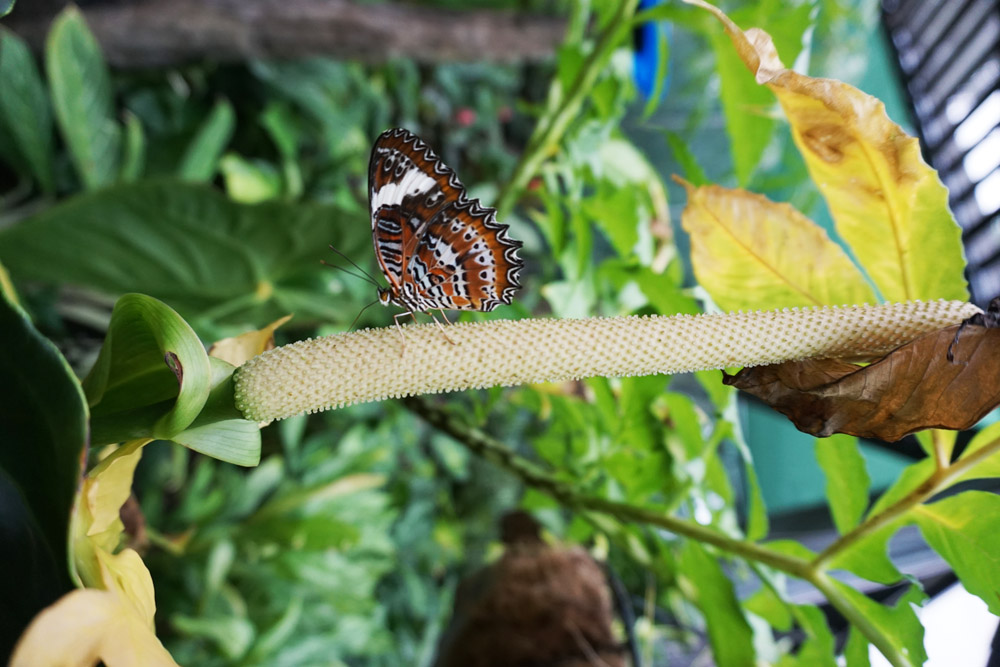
912 388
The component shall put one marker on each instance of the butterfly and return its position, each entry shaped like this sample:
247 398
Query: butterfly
438 249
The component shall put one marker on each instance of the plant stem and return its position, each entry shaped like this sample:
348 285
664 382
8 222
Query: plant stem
550 128
938 481
537 478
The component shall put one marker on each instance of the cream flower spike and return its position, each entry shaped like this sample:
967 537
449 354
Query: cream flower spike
331 372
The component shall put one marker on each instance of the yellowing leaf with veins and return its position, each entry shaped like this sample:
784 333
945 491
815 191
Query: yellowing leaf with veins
887 203
125 573
97 525
238 349
87 626
749 252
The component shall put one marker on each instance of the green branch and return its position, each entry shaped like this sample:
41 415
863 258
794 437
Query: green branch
938 481
539 479
552 126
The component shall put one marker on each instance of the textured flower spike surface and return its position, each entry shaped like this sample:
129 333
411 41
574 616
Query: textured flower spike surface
319 374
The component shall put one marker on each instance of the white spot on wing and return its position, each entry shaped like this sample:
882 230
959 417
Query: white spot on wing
412 183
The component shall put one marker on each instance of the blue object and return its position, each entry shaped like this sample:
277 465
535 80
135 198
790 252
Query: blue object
646 48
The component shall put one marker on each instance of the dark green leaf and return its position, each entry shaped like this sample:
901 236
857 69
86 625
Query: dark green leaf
186 244
962 529
24 107
846 479
43 435
82 99
201 159
728 631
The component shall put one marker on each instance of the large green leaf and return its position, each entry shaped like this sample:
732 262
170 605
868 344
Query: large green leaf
189 246
847 479
154 379
82 98
43 434
24 108
963 530
728 630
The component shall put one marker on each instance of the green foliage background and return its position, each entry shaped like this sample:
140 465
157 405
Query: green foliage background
216 190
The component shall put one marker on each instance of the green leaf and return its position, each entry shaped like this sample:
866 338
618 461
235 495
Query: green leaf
201 159
233 635
818 647
746 106
962 529
708 587
898 624
219 430
43 435
24 107
869 557
856 649
250 181
152 377
693 171
134 159
847 479
82 99
989 466
188 245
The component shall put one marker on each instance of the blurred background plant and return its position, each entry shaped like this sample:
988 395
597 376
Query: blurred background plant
216 188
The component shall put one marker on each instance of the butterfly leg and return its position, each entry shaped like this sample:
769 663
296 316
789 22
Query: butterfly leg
443 332
402 338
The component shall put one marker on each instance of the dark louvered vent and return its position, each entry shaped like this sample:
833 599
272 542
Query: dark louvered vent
949 55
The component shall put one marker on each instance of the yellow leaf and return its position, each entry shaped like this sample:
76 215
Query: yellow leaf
96 524
238 349
125 573
887 203
749 252
87 626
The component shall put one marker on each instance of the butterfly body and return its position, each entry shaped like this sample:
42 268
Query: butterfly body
437 249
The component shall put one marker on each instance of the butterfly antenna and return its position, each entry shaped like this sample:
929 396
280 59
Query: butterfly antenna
350 273
371 279
360 313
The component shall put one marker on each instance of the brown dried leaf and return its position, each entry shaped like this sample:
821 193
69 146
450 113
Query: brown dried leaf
912 388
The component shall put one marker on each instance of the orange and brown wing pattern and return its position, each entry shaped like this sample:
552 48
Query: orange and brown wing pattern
465 260
437 248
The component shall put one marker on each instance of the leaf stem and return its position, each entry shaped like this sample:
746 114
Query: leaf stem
551 127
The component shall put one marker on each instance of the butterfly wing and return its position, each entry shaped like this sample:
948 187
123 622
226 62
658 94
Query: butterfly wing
436 248
465 260
407 186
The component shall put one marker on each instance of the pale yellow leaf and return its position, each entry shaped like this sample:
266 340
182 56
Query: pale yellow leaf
887 203
749 252
87 626
238 349
126 574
